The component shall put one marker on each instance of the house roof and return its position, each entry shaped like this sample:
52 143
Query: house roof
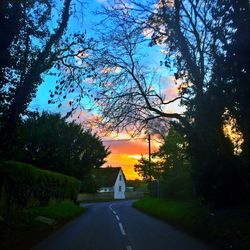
107 176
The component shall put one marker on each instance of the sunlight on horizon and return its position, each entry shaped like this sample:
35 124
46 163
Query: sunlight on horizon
126 153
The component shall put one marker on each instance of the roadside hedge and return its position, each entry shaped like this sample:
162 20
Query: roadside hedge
23 184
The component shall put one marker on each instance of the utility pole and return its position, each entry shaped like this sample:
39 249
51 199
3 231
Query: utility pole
149 162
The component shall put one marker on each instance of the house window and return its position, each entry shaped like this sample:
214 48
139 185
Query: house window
120 177
120 188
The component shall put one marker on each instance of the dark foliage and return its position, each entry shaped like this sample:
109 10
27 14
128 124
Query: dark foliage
25 186
49 142
32 48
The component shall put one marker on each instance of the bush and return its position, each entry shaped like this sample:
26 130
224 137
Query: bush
23 185
177 184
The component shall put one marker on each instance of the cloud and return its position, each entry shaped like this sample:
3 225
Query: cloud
164 51
90 80
148 32
131 147
126 152
108 70
171 92
125 162
162 37
171 89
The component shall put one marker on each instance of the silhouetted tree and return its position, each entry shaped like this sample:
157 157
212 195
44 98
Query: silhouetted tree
176 179
148 171
37 42
49 142
188 30
235 63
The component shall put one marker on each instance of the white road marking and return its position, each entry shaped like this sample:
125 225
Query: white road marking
120 224
128 247
122 229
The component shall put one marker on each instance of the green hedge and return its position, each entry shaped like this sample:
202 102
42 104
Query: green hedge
22 183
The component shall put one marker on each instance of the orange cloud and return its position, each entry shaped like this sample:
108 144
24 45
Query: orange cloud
107 70
128 147
126 152
126 162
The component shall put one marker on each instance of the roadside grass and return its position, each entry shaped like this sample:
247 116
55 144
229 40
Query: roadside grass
27 230
59 211
227 228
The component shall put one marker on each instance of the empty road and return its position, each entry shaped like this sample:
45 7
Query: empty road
117 226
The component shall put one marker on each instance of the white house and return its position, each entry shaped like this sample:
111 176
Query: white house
112 180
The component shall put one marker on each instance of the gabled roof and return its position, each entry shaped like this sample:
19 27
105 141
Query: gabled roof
106 177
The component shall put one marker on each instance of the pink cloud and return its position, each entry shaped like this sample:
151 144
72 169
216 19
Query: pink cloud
171 88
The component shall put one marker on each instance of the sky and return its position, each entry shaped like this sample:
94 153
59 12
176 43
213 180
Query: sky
124 151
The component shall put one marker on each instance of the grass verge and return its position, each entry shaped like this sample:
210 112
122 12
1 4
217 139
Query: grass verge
27 230
227 228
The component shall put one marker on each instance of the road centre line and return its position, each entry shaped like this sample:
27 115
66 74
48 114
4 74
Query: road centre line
120 224
113 211
122 229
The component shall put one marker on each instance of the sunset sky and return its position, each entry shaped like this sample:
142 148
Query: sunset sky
124 151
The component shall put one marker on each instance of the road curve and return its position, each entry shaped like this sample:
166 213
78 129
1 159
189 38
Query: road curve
117 226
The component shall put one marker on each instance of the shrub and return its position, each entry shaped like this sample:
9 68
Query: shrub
23 184
177 184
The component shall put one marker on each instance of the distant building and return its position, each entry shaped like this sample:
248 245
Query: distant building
130 189
111 180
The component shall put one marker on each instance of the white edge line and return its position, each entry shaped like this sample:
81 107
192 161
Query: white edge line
128 247
122 230
117 217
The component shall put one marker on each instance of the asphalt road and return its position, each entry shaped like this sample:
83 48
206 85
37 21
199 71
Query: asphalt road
117 226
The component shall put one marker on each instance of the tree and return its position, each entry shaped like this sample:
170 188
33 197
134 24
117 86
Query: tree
171 167
188 30
49 142
36 45
235 65
125 94
176 180
148 171
174 150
